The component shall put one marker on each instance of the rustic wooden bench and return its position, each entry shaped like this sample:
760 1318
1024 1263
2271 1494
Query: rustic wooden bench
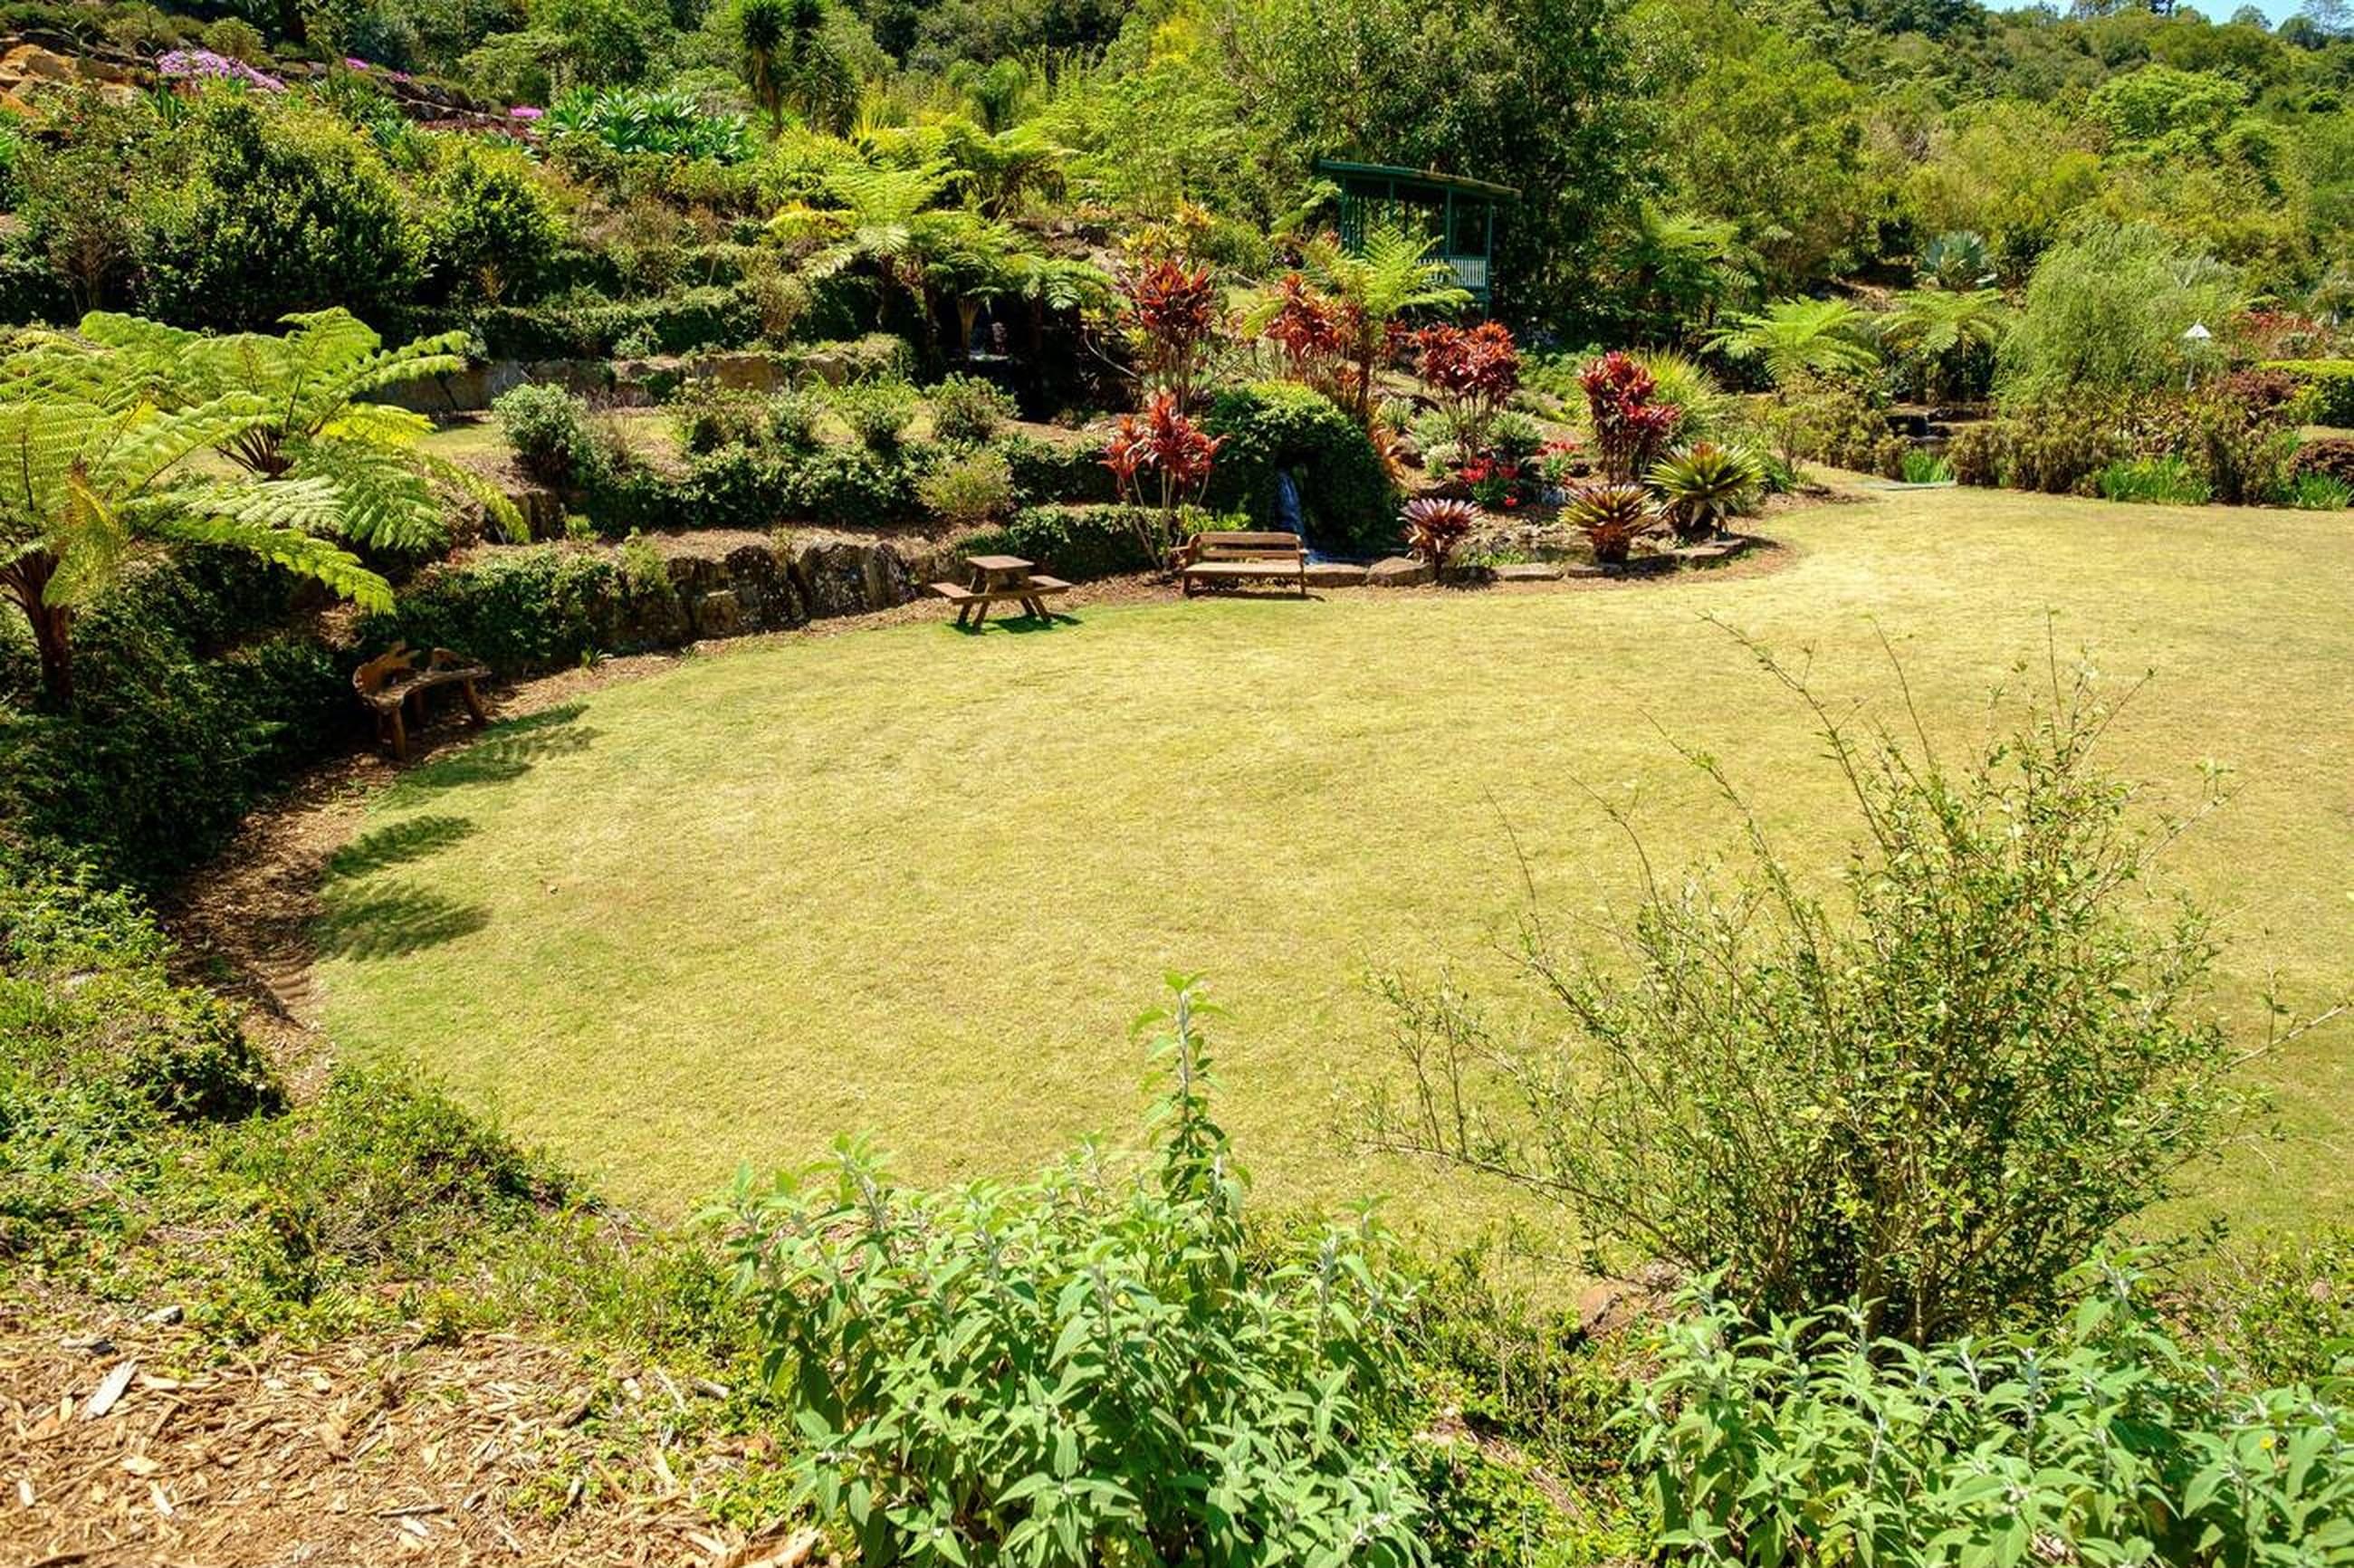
388 682
1213 560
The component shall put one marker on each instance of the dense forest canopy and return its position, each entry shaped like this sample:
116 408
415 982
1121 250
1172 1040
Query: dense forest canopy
1680 159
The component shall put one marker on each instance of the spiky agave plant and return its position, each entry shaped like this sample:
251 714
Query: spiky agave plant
1436 526
1611 516
1703 484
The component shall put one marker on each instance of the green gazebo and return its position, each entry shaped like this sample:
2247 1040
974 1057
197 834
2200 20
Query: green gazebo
1461 212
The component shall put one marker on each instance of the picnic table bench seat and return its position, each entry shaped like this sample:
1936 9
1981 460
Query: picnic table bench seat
1213 560
388 683
998 579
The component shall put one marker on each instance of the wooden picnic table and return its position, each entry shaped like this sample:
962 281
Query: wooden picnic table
994 579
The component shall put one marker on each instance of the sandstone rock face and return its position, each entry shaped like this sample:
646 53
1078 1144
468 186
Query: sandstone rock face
848 577
1531 572
1398 571
1334 574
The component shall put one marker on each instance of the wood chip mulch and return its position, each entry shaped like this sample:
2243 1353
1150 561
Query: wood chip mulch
136 1447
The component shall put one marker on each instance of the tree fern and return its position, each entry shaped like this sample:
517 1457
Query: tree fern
1795 338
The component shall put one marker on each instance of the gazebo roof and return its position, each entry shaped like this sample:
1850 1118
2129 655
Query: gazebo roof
1428 177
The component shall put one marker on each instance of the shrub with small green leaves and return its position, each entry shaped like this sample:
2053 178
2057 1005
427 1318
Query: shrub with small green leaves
968 490
1088 1367
2100 1439
878 412
547 427
967 409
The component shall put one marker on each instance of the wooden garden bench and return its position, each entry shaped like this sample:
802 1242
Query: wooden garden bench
1212 559
388 682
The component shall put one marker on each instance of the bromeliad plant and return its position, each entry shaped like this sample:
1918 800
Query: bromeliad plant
1088 1367
1162 466
1703 484
1436 527
1611 516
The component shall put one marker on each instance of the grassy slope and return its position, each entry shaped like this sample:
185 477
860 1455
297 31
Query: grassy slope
914 882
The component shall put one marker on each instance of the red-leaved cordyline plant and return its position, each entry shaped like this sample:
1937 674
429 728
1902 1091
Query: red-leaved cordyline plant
1474 371
1163 465
1310 329
1173 316
1631 430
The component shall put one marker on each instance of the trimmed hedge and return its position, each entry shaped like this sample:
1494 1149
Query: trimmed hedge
1082 542
2330 455
516 610
586 327
2326 389
1046 472
1346 500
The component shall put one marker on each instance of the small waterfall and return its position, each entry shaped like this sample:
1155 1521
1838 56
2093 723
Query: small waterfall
1288 515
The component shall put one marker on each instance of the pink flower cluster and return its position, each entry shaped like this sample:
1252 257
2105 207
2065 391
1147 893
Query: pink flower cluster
203 65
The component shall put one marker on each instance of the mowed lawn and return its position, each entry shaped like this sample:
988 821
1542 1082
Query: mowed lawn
916 883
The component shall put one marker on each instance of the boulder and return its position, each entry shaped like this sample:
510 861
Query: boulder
1334 574
719 614
1531 572
1398 571
848 577
765 583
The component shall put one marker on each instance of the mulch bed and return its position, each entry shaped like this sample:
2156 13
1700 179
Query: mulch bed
135 1444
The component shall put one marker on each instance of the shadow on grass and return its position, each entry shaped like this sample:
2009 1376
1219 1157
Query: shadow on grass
505 751
396 844
394 921
1016 624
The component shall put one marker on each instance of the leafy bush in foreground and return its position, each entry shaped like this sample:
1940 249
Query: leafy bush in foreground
1085 1368
2101 1440
1937 1101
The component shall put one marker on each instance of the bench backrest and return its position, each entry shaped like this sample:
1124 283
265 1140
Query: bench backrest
1242 546
380 671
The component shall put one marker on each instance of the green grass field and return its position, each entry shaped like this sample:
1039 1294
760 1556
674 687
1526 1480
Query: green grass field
915 883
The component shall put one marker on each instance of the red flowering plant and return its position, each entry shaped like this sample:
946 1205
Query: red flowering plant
1495 482
1310 331
1174 319
1163 465
1473 372
1630 429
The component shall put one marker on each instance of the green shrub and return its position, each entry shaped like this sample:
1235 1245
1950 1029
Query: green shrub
515 610
192 704
1272 428
878 412
2279 1310
2158 482
491 229
2058 448
968 489
587 324
851 485
1046 472
1979 453
262 211
1828 418
969 409
1086 542
1921 467
2325 395
547 430
1085 1368
1809 1441
1935 1102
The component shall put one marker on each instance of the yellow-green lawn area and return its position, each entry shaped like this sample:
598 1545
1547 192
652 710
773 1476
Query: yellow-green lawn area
915 882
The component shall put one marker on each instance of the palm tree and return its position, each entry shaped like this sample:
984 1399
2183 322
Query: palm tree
1798 337
1390 273
93 479
391 492
1943 329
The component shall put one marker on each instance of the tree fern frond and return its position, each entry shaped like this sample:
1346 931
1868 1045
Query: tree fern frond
147 447
381 498
379 425
336 568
